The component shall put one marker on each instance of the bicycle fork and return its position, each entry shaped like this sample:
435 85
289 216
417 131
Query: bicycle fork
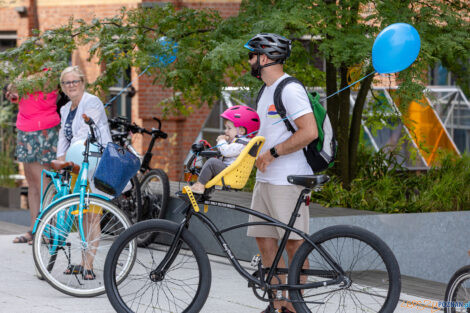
158 274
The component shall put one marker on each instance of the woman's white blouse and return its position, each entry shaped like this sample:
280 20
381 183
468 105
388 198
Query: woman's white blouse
94 108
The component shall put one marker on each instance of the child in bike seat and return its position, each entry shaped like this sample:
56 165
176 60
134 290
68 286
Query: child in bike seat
241 123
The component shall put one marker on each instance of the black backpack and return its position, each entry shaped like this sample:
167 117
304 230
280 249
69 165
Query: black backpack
321 152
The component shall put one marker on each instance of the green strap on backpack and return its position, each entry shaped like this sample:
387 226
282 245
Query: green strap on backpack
321 152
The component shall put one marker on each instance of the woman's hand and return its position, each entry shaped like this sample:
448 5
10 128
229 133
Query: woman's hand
12 94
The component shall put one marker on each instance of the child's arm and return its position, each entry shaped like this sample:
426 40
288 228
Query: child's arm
230 150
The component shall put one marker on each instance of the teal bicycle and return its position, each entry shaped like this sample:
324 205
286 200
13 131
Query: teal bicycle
73 234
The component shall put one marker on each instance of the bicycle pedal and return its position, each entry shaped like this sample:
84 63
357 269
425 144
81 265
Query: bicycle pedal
255 260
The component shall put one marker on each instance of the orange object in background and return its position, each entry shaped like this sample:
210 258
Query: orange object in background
426 128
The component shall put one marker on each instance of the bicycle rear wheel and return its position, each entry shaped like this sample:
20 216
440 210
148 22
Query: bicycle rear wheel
372 274
131 201
57 244
458 291
184 287
155 191
49 194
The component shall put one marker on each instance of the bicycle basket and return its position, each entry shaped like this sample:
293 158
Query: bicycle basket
116 168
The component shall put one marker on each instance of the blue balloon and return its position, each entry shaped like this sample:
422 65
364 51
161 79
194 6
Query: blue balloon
395 48
169 49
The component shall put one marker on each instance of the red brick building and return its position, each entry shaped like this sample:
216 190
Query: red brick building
19 17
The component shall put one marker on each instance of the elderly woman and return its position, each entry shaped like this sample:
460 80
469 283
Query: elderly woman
74 129
81 102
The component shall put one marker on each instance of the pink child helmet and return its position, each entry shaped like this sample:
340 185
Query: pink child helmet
243 116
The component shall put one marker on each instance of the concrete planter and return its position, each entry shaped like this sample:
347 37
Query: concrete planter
429 246
10 197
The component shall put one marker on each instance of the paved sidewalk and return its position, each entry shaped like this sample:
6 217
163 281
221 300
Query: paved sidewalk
22 292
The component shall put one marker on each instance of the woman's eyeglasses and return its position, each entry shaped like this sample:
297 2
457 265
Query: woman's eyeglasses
71 83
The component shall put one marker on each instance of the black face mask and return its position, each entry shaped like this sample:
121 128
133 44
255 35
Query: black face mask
256 69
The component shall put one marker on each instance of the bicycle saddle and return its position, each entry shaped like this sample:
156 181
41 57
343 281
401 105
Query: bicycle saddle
59 165
308 181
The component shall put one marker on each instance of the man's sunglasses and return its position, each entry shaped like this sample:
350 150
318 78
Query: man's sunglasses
251 54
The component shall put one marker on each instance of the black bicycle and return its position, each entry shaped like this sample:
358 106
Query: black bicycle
338 268
148 198
457 296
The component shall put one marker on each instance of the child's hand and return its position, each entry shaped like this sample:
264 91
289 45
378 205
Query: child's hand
222 137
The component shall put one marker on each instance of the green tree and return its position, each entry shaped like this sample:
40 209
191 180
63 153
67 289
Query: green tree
211 55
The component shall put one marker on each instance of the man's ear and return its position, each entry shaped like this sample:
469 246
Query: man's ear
263 59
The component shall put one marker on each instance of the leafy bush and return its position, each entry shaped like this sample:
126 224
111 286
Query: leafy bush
250 184
7 168
7 143
383 185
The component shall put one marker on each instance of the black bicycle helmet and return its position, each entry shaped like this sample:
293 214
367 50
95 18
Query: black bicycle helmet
276 47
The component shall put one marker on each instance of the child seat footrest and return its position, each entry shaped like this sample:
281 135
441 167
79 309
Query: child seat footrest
187 190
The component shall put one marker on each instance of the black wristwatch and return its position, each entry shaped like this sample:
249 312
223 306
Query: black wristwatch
274 152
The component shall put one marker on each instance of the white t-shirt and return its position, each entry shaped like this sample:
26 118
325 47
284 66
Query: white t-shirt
297 104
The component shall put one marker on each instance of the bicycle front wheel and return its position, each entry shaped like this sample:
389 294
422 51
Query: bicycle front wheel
183 287
155 192
59 253
371 281
458 291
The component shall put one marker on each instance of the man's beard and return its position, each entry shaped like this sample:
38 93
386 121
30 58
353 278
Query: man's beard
256 70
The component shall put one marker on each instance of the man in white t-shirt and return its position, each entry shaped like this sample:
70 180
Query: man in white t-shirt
281 154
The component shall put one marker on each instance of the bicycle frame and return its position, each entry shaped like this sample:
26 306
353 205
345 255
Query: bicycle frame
155 133
145 166
65 220
336 272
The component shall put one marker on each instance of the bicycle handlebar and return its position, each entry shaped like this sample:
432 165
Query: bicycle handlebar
134 128
89 121
202 149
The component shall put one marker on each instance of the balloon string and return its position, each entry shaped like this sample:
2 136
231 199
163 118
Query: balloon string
128 85
373 72
348 86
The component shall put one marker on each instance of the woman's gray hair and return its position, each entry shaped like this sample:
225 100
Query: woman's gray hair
73 69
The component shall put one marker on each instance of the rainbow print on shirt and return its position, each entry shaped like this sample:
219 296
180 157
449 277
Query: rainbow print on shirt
272 113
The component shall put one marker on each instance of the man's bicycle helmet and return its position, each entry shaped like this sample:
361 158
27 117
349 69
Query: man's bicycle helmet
276 47
243 116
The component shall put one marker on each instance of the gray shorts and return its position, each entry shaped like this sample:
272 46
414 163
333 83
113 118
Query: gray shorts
277 201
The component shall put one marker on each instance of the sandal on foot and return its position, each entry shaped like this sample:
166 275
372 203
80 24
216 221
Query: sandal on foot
23 238
270 309
73 270
88 274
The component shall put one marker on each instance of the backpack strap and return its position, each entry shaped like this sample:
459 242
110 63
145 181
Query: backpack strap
280 108
260 92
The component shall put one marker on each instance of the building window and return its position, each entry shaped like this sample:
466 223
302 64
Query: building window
121 105
440 76
7 41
